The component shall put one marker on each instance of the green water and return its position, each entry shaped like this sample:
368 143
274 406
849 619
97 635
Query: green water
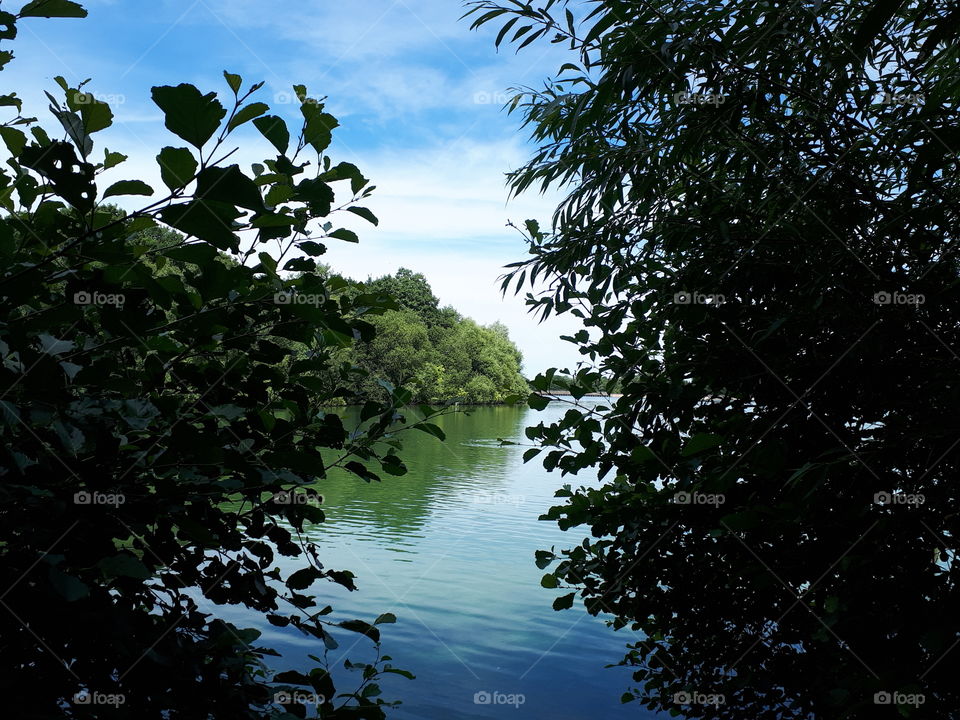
449 549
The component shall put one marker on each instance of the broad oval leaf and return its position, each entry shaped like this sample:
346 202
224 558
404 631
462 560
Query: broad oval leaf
177 167
128 187
188 113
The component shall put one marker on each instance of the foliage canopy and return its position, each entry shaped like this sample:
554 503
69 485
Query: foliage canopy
760 226
158 456
439 355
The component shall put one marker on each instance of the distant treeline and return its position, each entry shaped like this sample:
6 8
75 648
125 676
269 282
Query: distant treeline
437 353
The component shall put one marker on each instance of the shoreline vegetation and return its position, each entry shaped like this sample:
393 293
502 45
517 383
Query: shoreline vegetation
440 356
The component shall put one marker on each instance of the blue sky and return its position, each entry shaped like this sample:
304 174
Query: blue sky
419 97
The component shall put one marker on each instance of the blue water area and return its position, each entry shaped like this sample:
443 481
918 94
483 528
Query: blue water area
449 549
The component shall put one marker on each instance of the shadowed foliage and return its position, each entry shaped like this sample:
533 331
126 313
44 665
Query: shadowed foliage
159 453
759 228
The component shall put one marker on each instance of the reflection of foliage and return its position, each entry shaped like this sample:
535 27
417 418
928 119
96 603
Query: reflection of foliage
812 202
149 415
440 474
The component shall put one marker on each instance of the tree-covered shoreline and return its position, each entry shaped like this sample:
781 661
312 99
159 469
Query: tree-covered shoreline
441 356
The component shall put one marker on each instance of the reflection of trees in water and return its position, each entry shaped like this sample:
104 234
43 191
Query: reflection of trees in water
469 461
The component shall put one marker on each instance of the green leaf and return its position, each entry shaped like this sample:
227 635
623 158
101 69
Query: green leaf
699 443
72 179
234 81
11 100
359 626
128 187
189 114
504 30
275 130
95 114
269 262
303 579
112 159
365 214
53 8
272 220
124 565
247 113
537 402
292 677
230 186
431 429
549 581
14 139
318 128
564 602
346 171
210 221
71 369
878 14
601 26
68 586
544 558
197 253
746 520
177 167
385 618
329 641
531 453
8 26
317 194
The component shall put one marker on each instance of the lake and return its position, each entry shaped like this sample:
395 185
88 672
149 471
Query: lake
449 549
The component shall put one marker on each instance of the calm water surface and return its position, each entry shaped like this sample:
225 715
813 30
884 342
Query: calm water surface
449 549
